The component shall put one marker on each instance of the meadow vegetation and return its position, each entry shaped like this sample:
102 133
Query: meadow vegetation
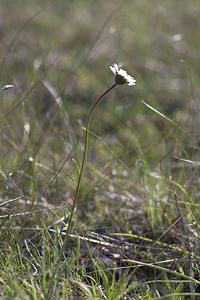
135 231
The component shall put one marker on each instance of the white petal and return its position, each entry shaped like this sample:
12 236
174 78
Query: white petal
131 80
122 73
114 68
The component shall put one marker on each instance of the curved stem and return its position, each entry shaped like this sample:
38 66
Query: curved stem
85 155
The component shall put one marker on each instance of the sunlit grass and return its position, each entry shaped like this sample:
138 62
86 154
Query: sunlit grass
135 228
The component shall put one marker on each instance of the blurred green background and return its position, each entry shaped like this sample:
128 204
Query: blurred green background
156 41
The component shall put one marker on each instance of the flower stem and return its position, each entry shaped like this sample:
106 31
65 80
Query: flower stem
85 155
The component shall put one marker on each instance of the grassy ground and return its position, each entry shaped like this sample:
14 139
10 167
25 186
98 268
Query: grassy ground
135 231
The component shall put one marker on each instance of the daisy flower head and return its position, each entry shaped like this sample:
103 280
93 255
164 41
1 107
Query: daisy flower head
121 76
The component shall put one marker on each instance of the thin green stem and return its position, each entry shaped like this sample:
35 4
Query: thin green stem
85 155
79 182
82 167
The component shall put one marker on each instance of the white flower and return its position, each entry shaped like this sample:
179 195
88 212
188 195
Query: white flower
121 76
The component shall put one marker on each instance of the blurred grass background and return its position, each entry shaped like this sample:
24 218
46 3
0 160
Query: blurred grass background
68 47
